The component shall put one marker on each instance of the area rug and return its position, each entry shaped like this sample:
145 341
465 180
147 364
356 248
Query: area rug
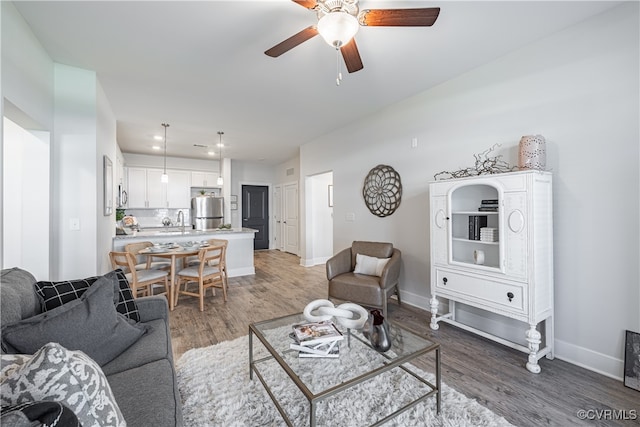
216 391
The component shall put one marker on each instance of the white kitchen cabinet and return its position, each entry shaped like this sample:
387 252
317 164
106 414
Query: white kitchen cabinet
203 179
178 189
146 190
513 276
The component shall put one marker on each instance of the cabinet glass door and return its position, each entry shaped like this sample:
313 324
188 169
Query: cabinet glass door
475 225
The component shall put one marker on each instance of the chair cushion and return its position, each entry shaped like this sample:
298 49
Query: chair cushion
369 265
68 324
55 294
146 275
357 288
195 272
86 390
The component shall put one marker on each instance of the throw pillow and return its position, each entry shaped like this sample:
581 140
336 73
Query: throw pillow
69 377
369 265
90 324
44 413
54 294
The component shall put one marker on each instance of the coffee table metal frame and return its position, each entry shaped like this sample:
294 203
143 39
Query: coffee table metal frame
315 398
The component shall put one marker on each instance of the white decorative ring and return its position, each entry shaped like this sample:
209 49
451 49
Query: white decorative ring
355 309
308 310
322 309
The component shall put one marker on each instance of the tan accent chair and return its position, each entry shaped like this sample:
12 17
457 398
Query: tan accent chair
145 262
140 281
207 274
370 291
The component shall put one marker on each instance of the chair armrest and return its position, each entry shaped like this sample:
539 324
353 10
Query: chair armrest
391 271
152 308
339 263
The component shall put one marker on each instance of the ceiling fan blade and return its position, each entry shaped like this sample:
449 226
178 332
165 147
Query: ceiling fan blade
423 17
309 4
352 56
292 42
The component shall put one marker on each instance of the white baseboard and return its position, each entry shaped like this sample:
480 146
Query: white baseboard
571 353
589 359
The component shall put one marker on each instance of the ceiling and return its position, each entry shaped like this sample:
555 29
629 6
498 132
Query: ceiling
200 66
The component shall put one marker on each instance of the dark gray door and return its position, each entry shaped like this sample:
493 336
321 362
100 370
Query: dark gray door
255 213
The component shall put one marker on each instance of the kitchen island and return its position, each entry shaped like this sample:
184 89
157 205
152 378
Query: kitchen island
239 249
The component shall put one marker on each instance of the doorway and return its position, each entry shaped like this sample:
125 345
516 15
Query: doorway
255 213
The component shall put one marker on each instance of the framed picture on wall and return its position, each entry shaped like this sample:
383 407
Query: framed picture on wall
632 360
108 185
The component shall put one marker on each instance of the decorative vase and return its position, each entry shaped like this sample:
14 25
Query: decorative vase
532 153
377 330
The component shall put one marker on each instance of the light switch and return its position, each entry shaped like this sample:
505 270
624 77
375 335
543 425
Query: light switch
74 224
350 216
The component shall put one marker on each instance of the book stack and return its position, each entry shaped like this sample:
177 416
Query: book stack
316 339
488 205
488 234
476 222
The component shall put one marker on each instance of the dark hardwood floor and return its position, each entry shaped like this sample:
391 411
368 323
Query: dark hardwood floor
488 372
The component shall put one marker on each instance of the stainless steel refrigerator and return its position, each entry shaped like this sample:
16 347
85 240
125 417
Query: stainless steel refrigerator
207 212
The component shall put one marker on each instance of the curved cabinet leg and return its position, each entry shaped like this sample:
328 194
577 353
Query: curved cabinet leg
434 313
534 340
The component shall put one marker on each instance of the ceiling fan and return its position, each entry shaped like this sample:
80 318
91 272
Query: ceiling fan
339 20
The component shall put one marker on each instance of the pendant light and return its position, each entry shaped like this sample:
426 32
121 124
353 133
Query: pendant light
165 178
220 180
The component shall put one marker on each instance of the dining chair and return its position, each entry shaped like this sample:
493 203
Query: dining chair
223 260
207 274
141 281
146 262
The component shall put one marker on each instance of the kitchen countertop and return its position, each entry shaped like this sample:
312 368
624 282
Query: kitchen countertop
174 231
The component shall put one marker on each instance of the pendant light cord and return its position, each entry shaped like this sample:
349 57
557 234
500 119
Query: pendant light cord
166 125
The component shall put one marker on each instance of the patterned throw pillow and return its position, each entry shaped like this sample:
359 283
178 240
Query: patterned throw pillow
54 373
43 413
54 294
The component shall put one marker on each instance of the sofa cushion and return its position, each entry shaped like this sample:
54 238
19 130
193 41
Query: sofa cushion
364 289
55 294
153 345
90 324
148 395
70 377
17 299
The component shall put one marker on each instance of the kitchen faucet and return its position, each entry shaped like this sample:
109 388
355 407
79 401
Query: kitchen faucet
181 220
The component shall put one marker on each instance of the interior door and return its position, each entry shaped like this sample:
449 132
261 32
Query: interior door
290 221
278 235
255 213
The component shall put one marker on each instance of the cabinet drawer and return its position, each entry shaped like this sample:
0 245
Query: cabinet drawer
481 292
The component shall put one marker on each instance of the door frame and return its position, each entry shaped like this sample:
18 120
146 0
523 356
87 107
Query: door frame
269 198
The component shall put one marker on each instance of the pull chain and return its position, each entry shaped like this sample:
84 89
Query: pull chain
339 72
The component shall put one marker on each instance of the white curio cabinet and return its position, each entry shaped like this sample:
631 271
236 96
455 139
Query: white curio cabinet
492 248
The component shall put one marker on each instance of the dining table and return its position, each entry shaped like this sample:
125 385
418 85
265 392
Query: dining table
172 252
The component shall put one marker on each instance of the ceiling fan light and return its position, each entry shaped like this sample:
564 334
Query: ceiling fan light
338 28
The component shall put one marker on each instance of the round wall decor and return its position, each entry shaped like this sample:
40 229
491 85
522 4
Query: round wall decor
382 190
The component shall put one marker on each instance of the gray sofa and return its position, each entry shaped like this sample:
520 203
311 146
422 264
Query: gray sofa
142 378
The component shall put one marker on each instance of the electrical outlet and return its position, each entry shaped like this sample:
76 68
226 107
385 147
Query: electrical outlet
414 143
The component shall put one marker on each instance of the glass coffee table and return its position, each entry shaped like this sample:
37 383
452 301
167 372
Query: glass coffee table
321 378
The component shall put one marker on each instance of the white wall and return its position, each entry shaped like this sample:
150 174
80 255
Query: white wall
579 88
68 103
319 219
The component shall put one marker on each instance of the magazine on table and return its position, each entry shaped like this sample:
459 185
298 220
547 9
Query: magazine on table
324 349
313 333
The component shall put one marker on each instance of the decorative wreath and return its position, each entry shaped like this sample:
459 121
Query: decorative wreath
382 190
